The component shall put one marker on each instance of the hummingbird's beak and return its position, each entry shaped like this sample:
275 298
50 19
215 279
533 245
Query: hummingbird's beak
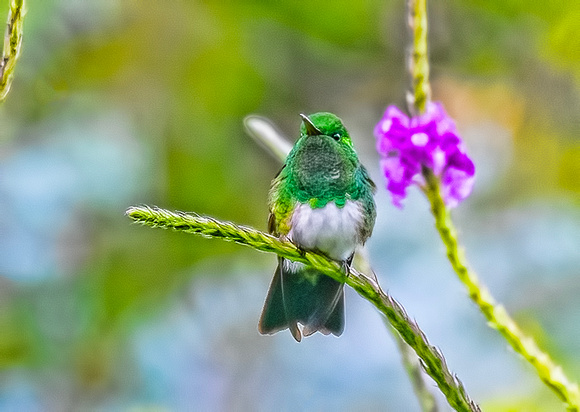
311 130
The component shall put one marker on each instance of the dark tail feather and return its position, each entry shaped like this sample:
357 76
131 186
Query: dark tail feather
274 317
328 317
307 297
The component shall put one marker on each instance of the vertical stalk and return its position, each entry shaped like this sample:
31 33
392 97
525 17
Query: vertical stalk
12 46
418 60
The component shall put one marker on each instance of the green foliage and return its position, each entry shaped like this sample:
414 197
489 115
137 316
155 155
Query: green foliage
562 44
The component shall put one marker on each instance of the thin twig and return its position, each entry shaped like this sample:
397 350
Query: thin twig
268 136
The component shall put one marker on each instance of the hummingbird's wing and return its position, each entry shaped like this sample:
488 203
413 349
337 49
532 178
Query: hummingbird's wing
366 196
272 224
275 313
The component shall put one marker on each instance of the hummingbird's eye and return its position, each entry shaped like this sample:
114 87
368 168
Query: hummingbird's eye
336 136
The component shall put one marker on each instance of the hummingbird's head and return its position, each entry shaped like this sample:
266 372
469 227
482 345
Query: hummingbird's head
323 163
325 124
324 156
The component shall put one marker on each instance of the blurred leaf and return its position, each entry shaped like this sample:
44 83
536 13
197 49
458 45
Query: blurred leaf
563 42
570 169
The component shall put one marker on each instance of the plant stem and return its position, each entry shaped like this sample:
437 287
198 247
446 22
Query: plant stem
12 46
418 60
432 359
267 136
497 316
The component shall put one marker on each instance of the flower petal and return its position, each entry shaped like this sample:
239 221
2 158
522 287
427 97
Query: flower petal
429 140
456 185
461 161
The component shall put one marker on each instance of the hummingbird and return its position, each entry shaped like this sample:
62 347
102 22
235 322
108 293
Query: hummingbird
321 200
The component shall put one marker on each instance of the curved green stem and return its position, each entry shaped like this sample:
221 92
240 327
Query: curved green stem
497 316
12 46
432 359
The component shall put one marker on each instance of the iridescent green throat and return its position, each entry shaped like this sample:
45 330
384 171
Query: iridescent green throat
320 170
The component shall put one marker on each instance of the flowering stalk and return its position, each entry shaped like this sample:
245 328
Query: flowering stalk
426 150
497 316
432 359
12 46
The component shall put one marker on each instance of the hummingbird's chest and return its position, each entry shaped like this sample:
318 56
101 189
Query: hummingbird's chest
335 231
319 169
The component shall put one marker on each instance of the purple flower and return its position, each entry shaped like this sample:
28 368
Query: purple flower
431 140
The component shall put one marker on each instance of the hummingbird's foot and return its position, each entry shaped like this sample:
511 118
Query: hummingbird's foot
346 265
349 259
301 250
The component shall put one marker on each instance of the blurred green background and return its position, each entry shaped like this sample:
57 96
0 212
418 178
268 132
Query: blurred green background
118 103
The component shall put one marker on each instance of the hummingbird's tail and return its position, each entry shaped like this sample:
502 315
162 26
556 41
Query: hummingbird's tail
302 295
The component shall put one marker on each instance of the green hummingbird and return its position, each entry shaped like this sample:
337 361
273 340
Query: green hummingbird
322 200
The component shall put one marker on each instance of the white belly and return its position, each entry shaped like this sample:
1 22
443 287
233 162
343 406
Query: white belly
330 229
